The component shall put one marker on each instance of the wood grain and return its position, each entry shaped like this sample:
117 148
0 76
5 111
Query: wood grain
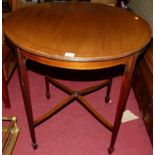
93 32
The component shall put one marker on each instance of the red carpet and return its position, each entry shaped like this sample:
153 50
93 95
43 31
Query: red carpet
74 131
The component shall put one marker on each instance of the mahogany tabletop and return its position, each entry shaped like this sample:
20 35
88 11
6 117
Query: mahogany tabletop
77 31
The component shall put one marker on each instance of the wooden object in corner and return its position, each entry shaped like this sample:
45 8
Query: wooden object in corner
143 88
15 4
8 67
8 56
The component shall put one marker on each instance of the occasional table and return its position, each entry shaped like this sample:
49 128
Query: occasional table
77 36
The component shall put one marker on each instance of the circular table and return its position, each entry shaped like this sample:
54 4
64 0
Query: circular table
77 36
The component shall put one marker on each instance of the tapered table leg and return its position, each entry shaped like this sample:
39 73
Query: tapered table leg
26 94
107 98
48 95
124 92
5 93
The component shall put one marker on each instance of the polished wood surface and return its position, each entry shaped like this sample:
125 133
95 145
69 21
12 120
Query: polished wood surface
93 32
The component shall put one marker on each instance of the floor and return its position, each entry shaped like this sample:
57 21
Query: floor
74 131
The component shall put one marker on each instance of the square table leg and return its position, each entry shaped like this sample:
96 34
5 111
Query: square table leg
22 70
124 92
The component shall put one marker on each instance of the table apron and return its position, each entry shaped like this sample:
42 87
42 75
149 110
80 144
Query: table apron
76 65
